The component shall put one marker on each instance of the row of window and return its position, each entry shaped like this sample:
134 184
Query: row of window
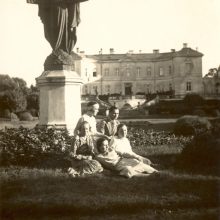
143 88
128 72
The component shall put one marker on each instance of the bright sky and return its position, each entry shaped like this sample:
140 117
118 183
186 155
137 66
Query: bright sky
120 24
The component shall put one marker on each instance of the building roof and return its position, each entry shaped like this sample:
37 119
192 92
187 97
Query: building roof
75 56
184 52
187 51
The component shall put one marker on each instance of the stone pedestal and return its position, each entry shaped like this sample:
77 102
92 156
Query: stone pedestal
60 103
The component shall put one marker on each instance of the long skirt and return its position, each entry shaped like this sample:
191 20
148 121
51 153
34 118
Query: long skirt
86 167
130 167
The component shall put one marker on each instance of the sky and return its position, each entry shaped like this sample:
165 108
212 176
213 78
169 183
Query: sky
120 24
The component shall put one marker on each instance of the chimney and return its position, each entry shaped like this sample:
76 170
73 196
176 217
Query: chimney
173 50
111 50
100 52
184 45
155 51
77 50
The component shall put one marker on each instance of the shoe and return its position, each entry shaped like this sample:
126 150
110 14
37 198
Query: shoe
72 172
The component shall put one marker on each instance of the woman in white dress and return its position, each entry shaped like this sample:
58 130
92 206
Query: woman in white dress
127 165
121 144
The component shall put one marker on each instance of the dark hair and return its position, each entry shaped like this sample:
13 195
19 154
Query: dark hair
99 143
84 123
91 103
113 108
120 126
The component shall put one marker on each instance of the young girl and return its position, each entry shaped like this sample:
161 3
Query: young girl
126 164
82 154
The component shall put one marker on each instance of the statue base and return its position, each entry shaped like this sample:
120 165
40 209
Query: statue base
60 99
59 60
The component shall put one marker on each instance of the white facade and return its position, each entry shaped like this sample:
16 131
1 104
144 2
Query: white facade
130 74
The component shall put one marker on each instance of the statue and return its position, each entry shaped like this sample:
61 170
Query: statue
60 19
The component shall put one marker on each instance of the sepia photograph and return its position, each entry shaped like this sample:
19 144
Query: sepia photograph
110 109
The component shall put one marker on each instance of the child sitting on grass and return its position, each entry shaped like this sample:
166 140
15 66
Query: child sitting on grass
127 165
82 153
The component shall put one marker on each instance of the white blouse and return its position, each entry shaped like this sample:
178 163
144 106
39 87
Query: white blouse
121 145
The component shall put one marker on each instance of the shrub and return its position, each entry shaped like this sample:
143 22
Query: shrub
49 148
191 125
5 113
141 137
44 147
215 124
14 117
215 113
129 113
199 112
34 112
171 106
202 155
25 116
193 99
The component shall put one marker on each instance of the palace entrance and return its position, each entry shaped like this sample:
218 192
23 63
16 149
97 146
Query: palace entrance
128 88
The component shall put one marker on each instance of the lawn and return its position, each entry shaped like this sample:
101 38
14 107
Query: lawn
36 193
52 194
151 123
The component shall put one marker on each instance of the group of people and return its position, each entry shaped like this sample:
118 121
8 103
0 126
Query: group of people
104 145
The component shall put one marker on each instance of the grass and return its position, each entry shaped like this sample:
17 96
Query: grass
52 194
159 126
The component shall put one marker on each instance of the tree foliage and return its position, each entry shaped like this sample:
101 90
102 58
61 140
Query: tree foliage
33 100
13 93
213 72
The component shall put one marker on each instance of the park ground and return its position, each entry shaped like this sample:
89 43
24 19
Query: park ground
156 123
31 193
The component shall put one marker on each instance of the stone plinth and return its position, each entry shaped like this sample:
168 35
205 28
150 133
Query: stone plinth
60 103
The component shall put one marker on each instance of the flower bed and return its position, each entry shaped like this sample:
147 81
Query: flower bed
33 147
42 147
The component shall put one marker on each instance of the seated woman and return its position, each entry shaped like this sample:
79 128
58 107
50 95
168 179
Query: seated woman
108 126
126 164
82 153
121 144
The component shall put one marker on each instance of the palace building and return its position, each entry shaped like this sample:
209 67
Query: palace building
141 73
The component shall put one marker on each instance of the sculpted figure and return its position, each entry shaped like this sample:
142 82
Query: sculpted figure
60 19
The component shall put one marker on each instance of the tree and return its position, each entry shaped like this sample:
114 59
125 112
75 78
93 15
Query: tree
8 100
13 93
21 85
6 83
33 101
213 72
